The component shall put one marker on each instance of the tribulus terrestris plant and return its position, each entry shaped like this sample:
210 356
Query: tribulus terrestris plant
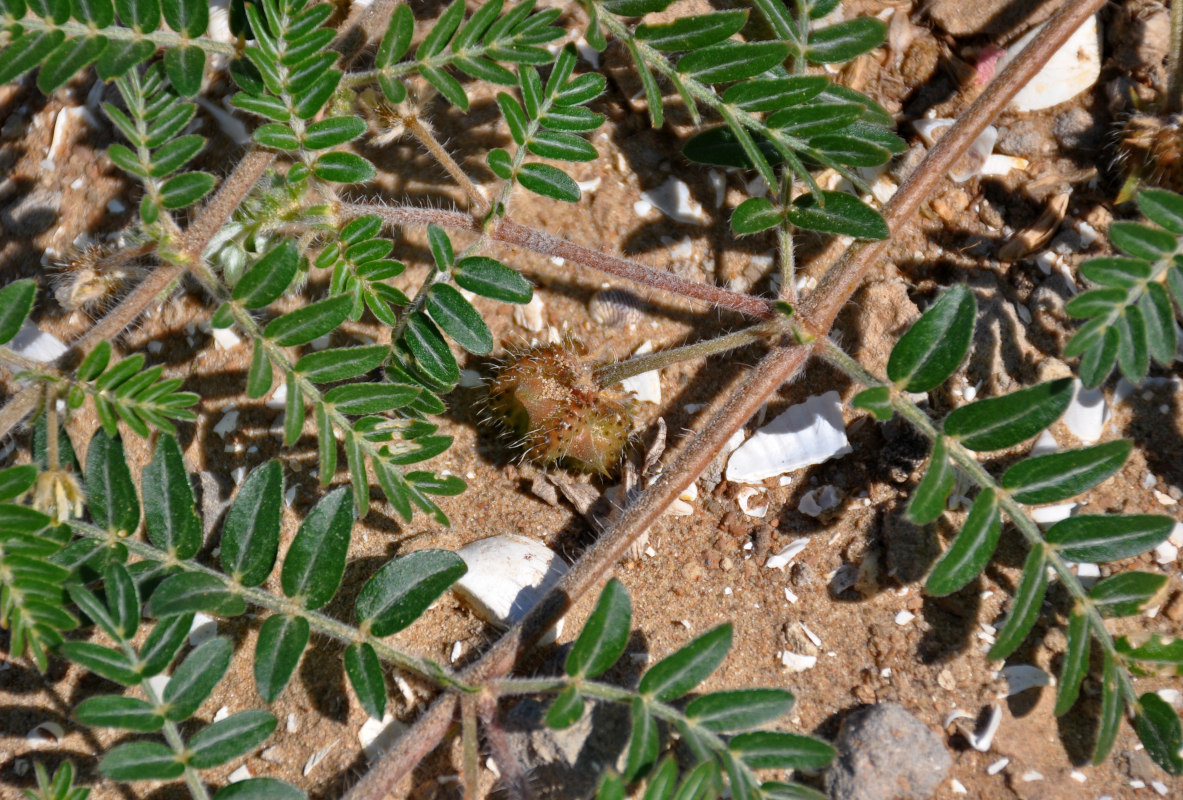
107 570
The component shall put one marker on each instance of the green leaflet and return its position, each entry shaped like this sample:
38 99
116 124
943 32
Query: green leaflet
605 634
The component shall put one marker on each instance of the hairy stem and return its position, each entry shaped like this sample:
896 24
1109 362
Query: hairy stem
616 371
417 128
511 233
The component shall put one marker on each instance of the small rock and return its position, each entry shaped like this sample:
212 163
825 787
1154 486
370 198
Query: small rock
884 752
992 17
1023 138
1076 129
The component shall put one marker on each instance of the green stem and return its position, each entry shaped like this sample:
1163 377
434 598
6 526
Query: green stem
162 39
617 371
968 463
325 625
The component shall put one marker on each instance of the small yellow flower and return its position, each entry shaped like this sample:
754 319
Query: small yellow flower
58 493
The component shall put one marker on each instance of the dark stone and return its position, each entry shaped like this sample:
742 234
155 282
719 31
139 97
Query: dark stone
883 753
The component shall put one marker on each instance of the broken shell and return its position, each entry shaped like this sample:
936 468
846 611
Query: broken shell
506 576
646 387
1087 414
318 757
797 662
35 344
1071 70
752 501
673 199
47 734
786 555
531 315
1021 677
613 308
976 156
376 736
806 434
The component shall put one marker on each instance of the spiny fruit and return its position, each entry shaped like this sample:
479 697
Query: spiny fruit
549 397
1151 150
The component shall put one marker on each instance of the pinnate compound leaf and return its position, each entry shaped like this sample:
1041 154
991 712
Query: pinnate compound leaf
999 422
192 682
732 61
281 642
1076 661
266 280
837 213
229 738
309 322
365 676
1057 476
15 481
931 494
488 277
123 600
1111 708
971 549
341 364
1024 609
430 350
110 492
192 592
549 182
261 788
1128 593
877 400
1160 732
566 710
185 67
250 538
141 761
399 593
163 644
754 215
169 513
315 562
110 664
845 41
643 743
456 316
1162 208
679 672
16 303
341 167
186 189
1100 537
605 635
692 33
779 750
111 711
739 709
934 346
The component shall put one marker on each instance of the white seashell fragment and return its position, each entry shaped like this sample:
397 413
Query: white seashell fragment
1046 443
228 423
615 307
470 379
999 165
958 786
1087 414
203 629
904 617
998 766
797 662
1050 515
47 734
293 724
376 736
1021 677
673 199
1173 697
35 344
225 338
240 774
589 185
752 501
530 316
1071 70
279 397
983 737
506 575
1165 553
318 757
646 387
1031 776
231 125
157 684
782 559
806 434
221 713
970 164
818 501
